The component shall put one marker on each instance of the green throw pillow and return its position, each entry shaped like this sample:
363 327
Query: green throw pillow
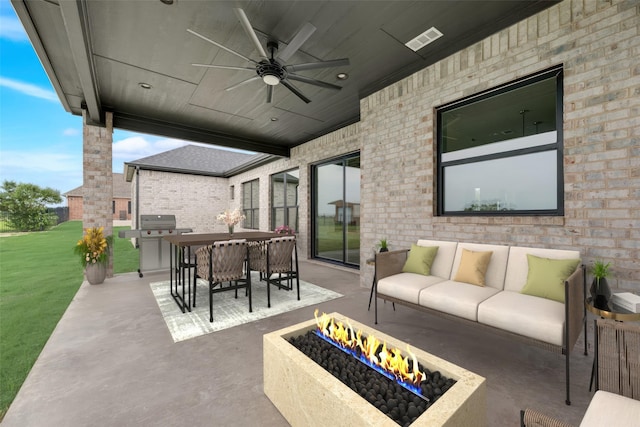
420 259
546 277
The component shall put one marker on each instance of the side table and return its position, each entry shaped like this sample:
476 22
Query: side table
616 313
372 261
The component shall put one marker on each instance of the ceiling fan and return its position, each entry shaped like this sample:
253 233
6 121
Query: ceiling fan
271 68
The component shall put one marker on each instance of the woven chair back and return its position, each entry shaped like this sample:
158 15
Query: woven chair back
280 253
222 261
618 357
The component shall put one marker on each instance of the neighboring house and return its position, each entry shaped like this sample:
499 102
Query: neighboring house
190 182
120 205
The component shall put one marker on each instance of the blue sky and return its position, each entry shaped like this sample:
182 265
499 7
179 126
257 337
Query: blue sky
41 143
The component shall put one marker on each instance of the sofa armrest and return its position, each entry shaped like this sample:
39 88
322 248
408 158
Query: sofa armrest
390 263
574 306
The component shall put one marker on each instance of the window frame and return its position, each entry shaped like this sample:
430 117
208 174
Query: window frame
553 72
285 207
255 210
314 181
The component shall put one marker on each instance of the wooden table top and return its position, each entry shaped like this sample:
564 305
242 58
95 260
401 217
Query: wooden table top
201 239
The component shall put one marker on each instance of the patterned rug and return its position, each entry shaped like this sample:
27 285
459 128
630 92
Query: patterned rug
229 311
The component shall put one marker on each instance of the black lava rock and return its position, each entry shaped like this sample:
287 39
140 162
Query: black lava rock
399 404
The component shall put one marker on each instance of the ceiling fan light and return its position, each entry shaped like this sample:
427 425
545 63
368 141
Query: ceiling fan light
270 79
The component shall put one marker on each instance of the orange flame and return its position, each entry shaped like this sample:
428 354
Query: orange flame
404 369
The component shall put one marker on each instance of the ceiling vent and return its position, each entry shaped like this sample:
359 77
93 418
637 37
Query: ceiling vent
423 39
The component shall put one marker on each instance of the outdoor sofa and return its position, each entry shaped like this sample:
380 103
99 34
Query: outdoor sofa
535 295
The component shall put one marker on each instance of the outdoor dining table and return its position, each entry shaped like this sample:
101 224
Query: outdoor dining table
181 262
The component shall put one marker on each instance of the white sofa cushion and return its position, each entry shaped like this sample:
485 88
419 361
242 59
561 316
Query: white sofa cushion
406 286
518 266
457 298
609 409
533 317
497 265
443 261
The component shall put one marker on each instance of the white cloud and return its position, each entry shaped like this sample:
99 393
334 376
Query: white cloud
60 171
29 89
167 144
12 29
37 162
71 132
137 147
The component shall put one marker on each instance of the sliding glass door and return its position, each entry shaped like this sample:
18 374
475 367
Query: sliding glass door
336 206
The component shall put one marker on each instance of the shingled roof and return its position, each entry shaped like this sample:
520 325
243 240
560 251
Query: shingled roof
121 188
198 160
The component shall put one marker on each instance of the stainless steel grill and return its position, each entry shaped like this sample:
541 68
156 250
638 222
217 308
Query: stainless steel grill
155 252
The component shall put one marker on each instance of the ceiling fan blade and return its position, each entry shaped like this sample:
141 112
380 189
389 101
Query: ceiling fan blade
249 30
242 83
221 46
317 65
314 82
297 41
225 67
269 94
295 91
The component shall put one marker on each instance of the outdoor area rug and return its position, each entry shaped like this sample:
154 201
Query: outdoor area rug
228 311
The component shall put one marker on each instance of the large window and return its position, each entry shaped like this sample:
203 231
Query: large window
500 152
251 204
284 199
336 206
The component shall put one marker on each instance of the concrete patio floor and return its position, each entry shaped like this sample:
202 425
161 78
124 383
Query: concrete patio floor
111 362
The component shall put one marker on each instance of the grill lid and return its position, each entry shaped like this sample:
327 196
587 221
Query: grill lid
157 222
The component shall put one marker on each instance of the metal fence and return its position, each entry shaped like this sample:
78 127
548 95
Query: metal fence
4 225
62 212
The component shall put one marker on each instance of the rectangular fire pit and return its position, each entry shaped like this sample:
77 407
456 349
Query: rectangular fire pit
307 395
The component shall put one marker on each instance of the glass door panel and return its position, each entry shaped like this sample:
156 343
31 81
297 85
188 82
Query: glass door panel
337 211
328 215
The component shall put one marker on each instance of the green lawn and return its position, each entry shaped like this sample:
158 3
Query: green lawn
39 275
330 237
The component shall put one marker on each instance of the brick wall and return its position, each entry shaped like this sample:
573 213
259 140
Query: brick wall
97 177
194 200
338 143
122 207
599 45
74 203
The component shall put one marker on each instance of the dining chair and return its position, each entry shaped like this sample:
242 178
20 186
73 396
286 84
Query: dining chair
617 376
186 267
617 353
277 261
224 262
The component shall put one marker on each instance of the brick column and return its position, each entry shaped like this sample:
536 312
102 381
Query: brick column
97 143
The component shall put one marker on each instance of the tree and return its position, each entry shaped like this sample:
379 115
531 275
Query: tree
26 205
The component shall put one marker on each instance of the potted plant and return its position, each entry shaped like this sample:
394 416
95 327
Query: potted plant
93 250
600 291
284 229
383 244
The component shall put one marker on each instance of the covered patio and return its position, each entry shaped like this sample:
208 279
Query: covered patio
111 362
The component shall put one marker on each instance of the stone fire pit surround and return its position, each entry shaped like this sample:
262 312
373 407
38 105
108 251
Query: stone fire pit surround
307 395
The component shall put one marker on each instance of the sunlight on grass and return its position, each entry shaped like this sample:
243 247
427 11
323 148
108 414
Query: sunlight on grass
39 276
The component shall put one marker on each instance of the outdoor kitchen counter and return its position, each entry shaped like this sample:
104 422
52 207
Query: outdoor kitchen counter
182 270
